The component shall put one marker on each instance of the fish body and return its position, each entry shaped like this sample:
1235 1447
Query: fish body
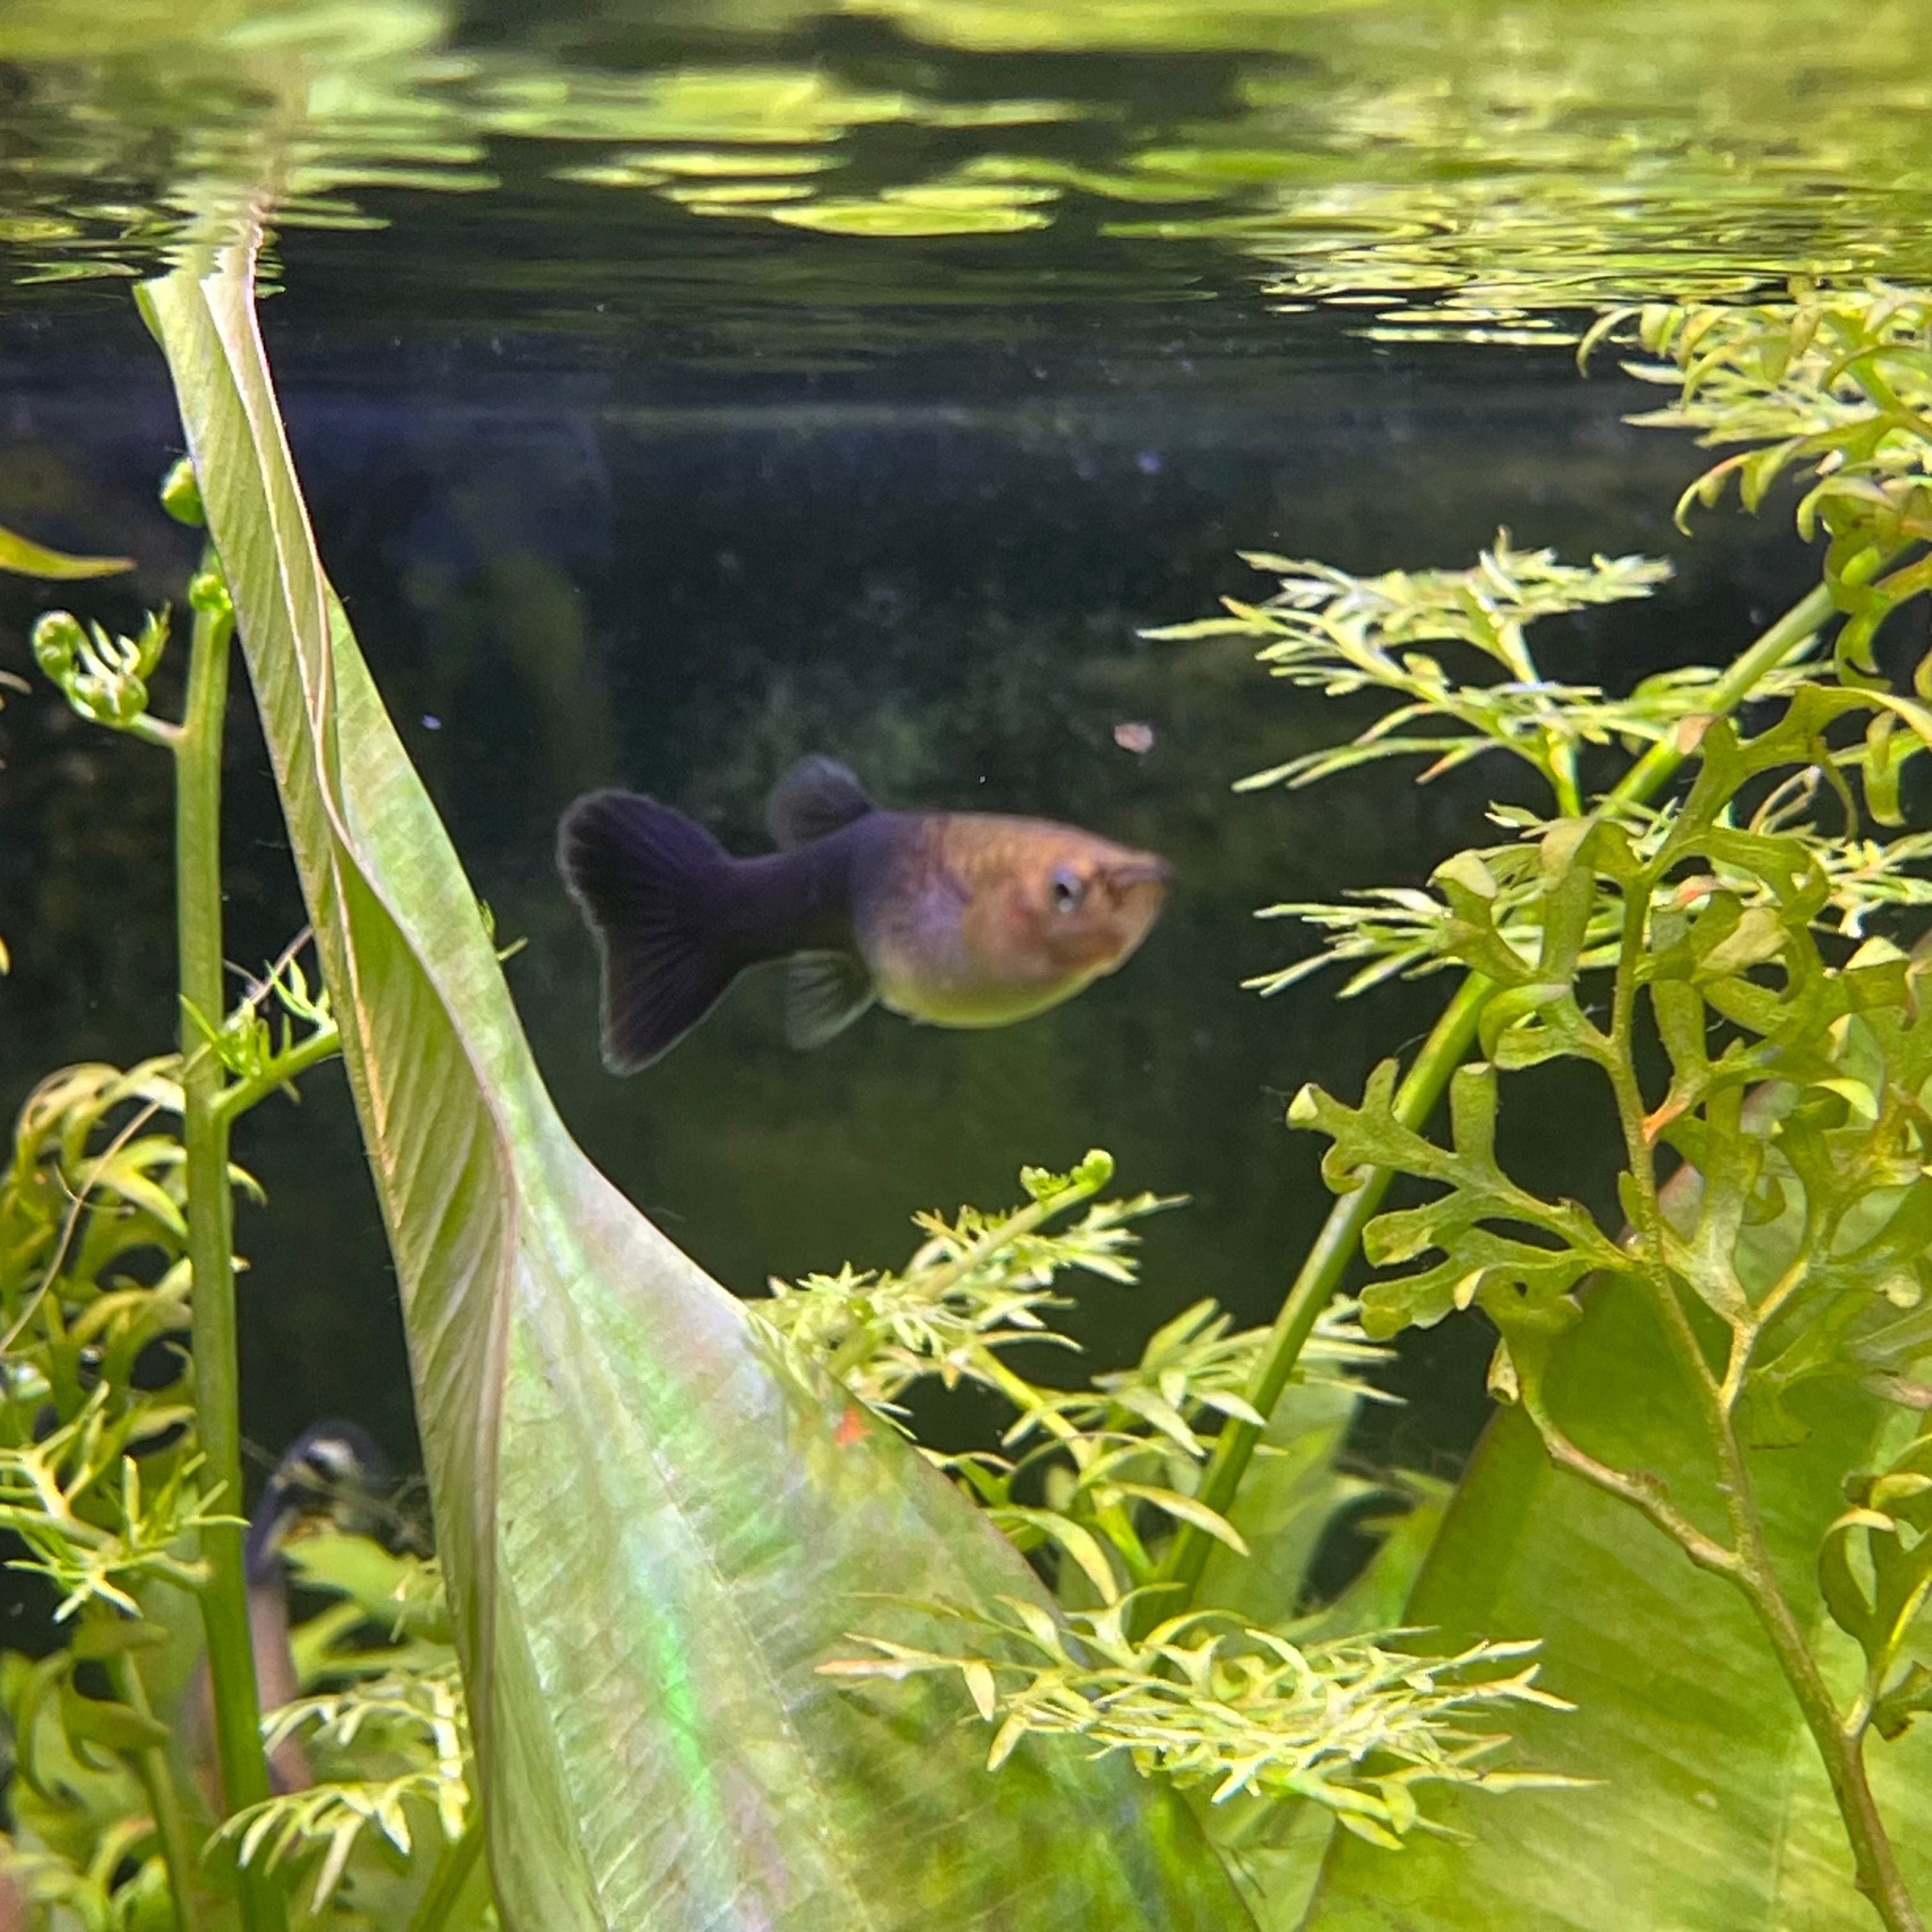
956 918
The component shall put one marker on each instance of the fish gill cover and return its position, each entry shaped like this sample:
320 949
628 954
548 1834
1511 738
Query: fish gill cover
1475 169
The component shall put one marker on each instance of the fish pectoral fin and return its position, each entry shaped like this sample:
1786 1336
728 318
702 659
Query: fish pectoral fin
825 992
818 795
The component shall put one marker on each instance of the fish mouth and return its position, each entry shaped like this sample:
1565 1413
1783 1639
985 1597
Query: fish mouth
1138 888
1128 874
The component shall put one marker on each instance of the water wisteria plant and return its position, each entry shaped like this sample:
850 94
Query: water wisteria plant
1739 962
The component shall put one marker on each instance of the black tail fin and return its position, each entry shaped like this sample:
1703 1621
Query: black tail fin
644 877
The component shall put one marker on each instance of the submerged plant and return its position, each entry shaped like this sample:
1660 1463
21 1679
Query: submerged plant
1726 963
1228 1709
1101 1476
666 1522
719 1509
105 1486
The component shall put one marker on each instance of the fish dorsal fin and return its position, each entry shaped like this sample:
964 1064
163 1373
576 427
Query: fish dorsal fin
816 796
825 992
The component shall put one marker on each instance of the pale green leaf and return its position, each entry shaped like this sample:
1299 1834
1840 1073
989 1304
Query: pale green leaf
1713 1815
653 1531
25 558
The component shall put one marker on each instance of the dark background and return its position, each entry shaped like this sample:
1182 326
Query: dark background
577 562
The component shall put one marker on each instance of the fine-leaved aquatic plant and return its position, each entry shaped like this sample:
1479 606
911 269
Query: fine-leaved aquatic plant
432 1735
1784 1264
1221 1708
115 1502
1728 962
106 1479
1101 1476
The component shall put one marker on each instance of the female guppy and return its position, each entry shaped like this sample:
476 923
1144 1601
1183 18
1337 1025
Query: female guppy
961 919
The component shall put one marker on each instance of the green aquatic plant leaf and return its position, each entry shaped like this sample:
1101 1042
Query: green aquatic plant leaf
1713 1813
657 1520
25 558
1228 1710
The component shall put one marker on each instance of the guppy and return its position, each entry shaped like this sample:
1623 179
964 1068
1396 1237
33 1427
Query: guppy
959 918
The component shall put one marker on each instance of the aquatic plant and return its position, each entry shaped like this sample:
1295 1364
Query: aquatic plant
1740 1360
1212 1700
721 1522
521 1269
769 1652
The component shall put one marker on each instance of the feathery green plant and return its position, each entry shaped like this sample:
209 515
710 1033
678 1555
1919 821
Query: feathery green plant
1102 1476
1737 935
1228 1709
106 1479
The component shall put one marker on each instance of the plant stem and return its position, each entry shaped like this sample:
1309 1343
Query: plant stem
1114 1518
1748 1566
1840 1744
1313 1289
151 1767
1328 1260
1765 652
234 1100
1748 1561
450 1880
1642 1493
1875 1864
224 1599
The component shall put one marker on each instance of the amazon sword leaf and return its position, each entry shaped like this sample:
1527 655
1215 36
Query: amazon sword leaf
1714 1814
653 1528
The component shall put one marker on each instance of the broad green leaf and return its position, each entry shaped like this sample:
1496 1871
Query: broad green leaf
25 558
654 1528
1714 1815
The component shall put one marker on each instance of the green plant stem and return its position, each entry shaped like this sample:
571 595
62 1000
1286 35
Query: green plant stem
1314 1287
1748 1565
1840 1745
236 1099
1765 652
1748 1562
1114 1518
450 1881
157 1782
224 1599
1320 1275
1874 1863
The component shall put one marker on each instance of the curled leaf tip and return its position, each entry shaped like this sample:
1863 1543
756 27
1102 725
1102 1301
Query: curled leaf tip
181 494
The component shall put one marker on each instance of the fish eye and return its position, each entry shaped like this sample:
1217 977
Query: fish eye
331 1459
1066 889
